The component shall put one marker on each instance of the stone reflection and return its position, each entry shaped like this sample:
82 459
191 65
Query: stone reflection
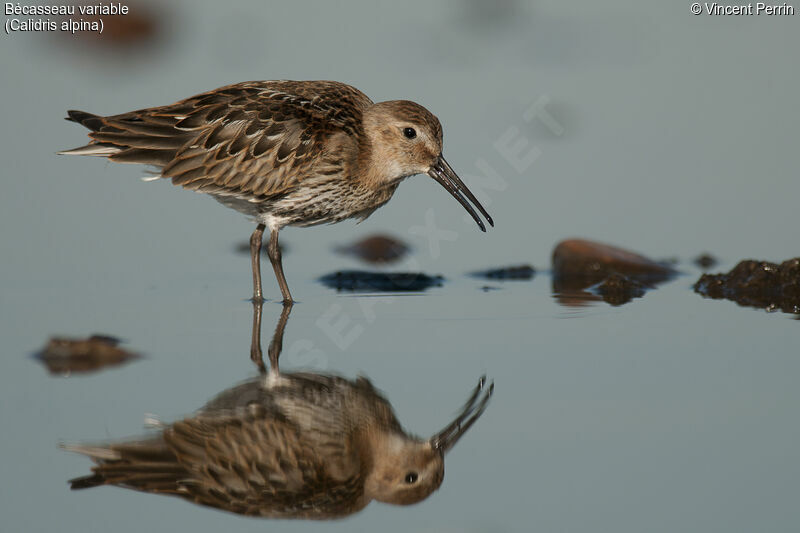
286 445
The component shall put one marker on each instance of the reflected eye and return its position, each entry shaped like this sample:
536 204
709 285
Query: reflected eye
411 477
410 133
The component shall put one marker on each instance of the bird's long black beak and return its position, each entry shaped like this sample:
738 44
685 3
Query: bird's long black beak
472 410
444 174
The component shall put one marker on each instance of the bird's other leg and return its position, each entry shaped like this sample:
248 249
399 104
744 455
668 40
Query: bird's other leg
255 342
255 259
274 252
276 344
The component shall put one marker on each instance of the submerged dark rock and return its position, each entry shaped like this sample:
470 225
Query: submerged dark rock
586 271
65 356
364 281
521 272
753 283
617 289
376 249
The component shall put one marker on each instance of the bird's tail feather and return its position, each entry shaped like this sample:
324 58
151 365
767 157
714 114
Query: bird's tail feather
93 122
100 150
130 138
144 465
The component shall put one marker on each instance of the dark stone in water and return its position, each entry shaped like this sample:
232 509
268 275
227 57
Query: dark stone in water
64 356
617 289
522 272
705 261
363 281
757 284
376 249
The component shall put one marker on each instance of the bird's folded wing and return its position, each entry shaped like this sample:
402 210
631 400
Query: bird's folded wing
253 139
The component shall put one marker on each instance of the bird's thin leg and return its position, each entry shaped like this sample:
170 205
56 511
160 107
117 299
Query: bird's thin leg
255 342
276 344
255 259
274 252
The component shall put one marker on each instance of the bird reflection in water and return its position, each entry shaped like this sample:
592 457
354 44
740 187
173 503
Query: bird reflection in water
286 445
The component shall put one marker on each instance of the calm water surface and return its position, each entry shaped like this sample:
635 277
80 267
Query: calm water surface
676 135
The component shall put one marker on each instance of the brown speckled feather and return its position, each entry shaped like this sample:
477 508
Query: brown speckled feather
252 139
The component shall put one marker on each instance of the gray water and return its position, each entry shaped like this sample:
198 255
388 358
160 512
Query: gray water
664 132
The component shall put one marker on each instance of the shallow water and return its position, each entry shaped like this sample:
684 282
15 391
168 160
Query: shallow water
677 136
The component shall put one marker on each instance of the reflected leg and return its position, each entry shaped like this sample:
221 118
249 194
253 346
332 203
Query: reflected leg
276 344
255 341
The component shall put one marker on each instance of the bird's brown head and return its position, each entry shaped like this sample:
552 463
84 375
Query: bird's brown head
407 470
405 139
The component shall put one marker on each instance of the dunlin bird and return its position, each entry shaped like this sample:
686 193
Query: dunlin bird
298 445
283 152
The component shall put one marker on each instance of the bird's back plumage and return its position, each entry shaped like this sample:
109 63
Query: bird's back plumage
254 139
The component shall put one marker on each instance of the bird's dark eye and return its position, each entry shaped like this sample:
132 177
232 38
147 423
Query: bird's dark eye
411 477
410 133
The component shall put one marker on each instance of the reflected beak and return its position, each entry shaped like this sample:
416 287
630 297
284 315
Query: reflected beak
444 174
472 410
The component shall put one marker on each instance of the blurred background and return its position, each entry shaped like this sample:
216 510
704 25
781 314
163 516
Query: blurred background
634 123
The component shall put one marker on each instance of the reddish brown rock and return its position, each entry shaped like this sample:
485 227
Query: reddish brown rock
586 271
757 284
376 249
578 258
65 356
